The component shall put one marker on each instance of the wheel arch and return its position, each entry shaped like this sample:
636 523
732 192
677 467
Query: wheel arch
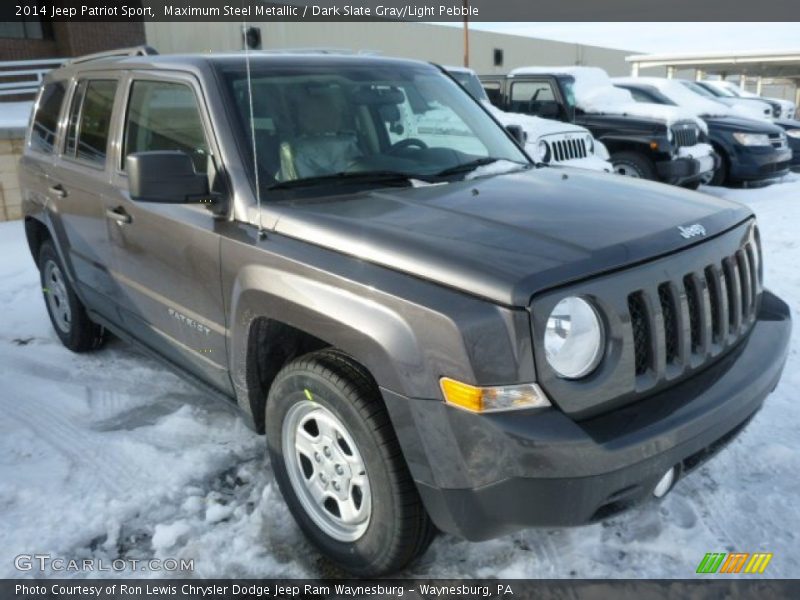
279 316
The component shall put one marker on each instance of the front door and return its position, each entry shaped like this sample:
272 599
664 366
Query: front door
166 256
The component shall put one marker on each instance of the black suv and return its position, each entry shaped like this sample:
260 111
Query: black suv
433 332
751 150
641 146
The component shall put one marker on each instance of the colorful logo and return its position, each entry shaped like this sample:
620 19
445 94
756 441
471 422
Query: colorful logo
734 562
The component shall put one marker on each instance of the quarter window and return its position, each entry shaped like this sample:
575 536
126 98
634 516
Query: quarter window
90 120
165 116
43 133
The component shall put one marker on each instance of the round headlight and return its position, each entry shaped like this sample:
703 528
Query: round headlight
590 144
543 151
574 338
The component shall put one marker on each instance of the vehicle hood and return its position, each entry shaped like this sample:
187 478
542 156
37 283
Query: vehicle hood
507 237
742 124
535 127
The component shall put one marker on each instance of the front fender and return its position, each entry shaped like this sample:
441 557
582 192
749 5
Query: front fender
373 334
406 331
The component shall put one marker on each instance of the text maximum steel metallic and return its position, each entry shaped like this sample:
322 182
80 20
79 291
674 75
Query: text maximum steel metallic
434 332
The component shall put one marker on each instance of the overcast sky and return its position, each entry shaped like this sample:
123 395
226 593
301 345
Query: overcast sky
662 37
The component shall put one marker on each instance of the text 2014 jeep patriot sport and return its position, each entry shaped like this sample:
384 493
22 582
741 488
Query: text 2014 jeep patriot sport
432 337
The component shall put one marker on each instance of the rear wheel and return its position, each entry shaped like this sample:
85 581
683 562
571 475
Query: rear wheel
339 467
633 164
73 326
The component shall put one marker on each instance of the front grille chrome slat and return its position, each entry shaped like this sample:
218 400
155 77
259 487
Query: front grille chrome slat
567 149
695 317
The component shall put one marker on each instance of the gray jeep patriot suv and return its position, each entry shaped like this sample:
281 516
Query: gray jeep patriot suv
434 332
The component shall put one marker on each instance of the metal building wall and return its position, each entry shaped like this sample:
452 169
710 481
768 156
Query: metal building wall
422 41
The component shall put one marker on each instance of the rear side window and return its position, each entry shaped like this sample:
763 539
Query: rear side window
90 120
165 116
43 133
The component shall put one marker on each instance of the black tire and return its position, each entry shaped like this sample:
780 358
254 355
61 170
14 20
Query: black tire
78 333
634 164
692 185
721 174
399 530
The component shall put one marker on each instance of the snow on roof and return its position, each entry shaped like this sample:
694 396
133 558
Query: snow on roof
595 93
681 95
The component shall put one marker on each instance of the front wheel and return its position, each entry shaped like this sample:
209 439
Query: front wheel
633 164
339 467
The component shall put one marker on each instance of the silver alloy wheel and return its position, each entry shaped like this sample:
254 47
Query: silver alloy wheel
326 471
56 293
627 170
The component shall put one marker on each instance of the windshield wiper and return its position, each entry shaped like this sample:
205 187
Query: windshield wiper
387 177
466 167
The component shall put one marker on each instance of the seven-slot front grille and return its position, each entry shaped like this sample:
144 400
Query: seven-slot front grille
685 136
567 149
720 305
665 319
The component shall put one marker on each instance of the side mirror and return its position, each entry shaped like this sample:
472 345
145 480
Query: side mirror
167 177
517 133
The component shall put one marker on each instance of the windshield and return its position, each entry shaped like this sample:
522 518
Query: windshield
568 88
471 83
340 122
699 89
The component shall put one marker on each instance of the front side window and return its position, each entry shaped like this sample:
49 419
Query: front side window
45 122
165 116
315 122
534 98
90 120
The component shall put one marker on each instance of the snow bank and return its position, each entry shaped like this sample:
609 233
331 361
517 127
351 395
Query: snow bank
595 93
15 115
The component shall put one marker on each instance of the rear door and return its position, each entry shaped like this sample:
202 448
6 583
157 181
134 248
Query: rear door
166 256
79 184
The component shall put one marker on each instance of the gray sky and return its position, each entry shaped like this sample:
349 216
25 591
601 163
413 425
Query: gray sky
662 37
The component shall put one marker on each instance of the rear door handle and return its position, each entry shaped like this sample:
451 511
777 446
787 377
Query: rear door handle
58 191
119 215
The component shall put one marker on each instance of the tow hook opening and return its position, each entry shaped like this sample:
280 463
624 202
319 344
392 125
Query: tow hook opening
666 482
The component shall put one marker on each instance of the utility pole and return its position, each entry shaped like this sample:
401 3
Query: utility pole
466 33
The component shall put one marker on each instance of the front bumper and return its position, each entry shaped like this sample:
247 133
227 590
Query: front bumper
755 163
685 169
481 476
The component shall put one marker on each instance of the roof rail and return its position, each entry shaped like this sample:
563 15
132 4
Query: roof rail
318 50
119 52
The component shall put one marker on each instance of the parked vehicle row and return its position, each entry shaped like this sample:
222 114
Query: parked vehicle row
672 131
435 332
750 149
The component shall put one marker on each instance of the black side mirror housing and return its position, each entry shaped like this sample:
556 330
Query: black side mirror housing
167 177
517 133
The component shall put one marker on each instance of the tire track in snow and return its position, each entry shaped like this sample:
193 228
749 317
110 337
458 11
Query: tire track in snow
98 461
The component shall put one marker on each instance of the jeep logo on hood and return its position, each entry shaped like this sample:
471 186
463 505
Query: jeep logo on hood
692 231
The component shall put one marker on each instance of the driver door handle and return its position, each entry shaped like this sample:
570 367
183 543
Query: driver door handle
119 215
58 191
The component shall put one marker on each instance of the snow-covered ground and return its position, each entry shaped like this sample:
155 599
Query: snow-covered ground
109 455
